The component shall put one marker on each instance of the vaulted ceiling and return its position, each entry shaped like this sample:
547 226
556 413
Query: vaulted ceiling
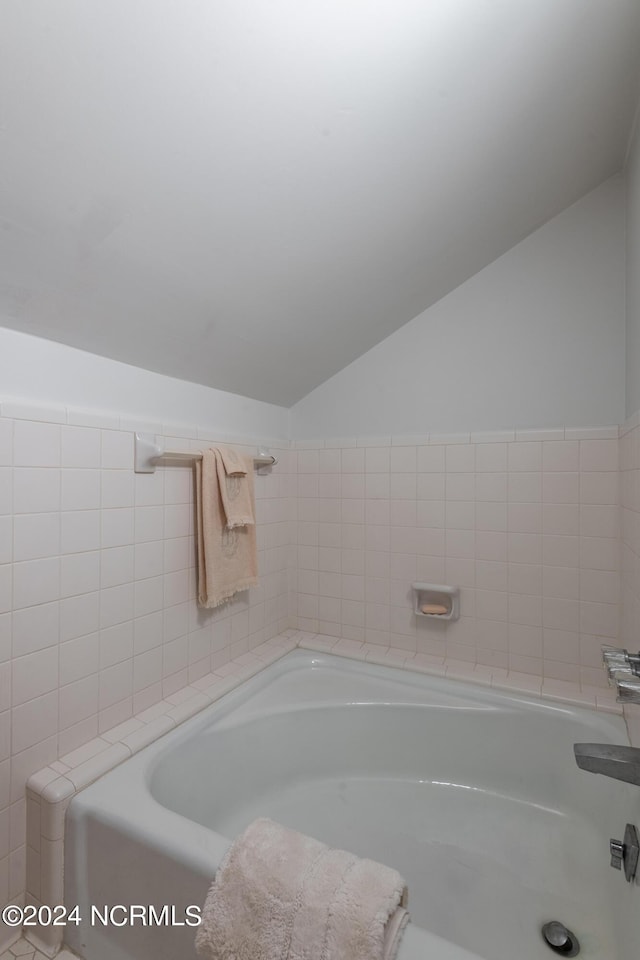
251 193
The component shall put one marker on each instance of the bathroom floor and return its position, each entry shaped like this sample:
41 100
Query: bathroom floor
24 950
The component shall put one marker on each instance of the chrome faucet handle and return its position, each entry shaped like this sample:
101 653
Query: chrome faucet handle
625 854
616 849
614 658
619 674
610 654
628 688
633 659
620 663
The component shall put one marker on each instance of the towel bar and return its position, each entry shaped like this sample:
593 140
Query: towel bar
148 452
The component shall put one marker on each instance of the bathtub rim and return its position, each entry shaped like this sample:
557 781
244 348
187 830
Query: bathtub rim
170 831
50 790
142 766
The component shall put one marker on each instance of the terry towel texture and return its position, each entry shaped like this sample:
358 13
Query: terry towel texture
279 895
226 532
237 495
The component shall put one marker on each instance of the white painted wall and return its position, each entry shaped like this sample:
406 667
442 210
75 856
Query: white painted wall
536 339
633 276
306 178
43 372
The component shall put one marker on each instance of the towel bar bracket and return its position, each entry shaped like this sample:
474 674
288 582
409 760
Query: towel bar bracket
148 451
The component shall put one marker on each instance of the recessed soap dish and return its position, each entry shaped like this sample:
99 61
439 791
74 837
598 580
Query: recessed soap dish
436 593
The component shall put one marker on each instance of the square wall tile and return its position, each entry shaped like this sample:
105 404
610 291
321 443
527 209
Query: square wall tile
560 551
79 658
525 487
525 455
36 581
560 455
81 489
491 457
560 614
524 518
491 486
460 458
6 442
525 610
596 455
353 460
525 578
36 444
377 459
525 640
6 491
79 573
117 488
599 520
6 539
117 450
78 701
561 487
561 582
491 545
460 486
329 461
79 531
80 447
403 460
36 490
35 628
599 487
36 536
34 675
431 459
33 721
599 553
561 519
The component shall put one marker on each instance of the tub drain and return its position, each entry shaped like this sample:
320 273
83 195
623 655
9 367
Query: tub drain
561 940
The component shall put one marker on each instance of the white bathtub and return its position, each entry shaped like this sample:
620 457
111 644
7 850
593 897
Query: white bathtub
472 794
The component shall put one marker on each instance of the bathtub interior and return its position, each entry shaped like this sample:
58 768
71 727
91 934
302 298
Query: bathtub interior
473 796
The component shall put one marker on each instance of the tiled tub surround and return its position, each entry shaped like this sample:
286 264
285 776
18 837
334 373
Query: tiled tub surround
51 789
526 523
98 619
630 549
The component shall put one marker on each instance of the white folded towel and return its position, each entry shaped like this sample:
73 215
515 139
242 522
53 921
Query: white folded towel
279 895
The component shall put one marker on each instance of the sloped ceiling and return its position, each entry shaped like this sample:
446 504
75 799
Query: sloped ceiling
251 193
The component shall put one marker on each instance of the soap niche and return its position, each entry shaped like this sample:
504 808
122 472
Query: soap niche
438 595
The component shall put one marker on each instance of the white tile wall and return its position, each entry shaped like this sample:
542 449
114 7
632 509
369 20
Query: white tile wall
527 526
98 618
629 549
97 612
630 534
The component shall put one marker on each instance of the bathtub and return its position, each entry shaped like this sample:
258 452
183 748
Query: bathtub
471 793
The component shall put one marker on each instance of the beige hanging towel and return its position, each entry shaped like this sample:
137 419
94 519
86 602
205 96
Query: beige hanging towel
237 494
227 554
279 895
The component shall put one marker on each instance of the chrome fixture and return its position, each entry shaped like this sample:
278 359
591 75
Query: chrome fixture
560 939
609 759
625 854
628 690
618 659
623 672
